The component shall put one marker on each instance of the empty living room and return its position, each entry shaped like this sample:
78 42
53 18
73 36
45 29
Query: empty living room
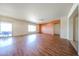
39 29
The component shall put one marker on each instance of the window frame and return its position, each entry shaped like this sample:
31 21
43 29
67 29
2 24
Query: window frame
32 28
5 31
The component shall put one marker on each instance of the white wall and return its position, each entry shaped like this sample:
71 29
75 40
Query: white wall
66 24
63 27
67 31
70 22
78 29
70 29
73 34
19 27
78 33
75 28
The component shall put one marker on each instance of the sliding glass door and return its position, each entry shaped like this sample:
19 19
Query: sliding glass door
5 29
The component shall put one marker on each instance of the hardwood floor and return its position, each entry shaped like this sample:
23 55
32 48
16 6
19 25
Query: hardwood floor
36 45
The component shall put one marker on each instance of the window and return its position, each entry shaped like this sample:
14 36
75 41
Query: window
31 28
5 29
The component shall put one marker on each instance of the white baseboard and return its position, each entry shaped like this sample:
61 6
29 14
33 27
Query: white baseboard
74 45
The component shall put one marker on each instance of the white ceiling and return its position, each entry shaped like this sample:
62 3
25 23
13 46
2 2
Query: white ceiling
35 12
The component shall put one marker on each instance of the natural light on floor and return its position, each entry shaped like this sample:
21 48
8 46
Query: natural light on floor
5 42
31 38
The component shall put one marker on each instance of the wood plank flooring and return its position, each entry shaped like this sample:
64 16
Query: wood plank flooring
36 45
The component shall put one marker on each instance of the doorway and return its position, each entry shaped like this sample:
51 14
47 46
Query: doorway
73 29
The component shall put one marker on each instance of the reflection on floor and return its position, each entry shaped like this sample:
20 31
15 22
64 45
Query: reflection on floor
36 45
